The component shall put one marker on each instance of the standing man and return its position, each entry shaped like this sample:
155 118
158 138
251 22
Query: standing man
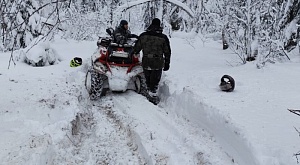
156 55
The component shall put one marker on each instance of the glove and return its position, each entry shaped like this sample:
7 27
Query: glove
166 67
134 36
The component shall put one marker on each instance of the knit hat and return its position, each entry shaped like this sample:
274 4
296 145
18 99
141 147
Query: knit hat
155 21
123 22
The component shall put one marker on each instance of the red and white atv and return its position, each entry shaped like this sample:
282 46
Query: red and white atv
114 68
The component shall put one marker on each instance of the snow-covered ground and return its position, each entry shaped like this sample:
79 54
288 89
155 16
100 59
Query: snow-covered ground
47 118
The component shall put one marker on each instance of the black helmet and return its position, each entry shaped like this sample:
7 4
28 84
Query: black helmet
156 22
123 22
227 83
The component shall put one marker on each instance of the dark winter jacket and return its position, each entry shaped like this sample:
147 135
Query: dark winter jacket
121 35
156 48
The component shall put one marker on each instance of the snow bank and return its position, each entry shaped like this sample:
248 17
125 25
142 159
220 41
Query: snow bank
189 106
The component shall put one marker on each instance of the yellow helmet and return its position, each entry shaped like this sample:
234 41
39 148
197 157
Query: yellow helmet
77 61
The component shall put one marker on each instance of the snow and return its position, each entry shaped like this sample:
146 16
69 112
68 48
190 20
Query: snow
130 4
183 6
195 123
137 2
38 53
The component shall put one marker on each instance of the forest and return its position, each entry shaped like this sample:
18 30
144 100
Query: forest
254 30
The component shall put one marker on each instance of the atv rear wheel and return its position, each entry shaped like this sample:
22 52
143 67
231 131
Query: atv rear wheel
140 85
94 84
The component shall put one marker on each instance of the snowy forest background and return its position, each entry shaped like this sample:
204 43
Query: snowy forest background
262 30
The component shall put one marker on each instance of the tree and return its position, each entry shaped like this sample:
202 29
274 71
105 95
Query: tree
296 112
253 28
20 23
162 9
278 27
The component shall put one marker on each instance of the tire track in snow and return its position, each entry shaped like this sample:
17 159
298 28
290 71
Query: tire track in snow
174 134
96 136
123 128
167 139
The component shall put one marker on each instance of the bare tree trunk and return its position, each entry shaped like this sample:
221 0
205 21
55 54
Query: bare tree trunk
225 44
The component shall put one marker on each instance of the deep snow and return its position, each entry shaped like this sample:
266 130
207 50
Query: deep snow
195 123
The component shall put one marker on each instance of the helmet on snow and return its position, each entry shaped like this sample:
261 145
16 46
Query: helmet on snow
76 61
227 83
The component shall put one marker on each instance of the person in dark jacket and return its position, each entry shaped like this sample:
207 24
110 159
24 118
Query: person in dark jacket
121 33
156 54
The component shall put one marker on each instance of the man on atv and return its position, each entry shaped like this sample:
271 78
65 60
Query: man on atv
121 33
156 55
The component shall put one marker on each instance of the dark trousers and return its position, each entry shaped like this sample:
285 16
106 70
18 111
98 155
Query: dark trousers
152 78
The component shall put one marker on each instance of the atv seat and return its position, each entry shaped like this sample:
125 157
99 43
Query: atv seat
120 54
105 41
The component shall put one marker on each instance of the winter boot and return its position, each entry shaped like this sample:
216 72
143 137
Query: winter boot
153 97
153 93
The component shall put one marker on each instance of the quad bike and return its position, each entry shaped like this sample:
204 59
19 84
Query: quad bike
114 68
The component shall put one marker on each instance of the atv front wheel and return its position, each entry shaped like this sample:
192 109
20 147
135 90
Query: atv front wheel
94 84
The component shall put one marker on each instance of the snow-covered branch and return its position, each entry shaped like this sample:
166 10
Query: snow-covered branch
129 5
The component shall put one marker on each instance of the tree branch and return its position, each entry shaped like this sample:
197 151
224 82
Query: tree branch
295 111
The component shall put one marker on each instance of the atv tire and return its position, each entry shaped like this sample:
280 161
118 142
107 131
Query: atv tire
140 85
94 84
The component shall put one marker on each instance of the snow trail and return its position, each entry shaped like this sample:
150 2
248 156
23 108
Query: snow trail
180 130
40 105
168 139
96 135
